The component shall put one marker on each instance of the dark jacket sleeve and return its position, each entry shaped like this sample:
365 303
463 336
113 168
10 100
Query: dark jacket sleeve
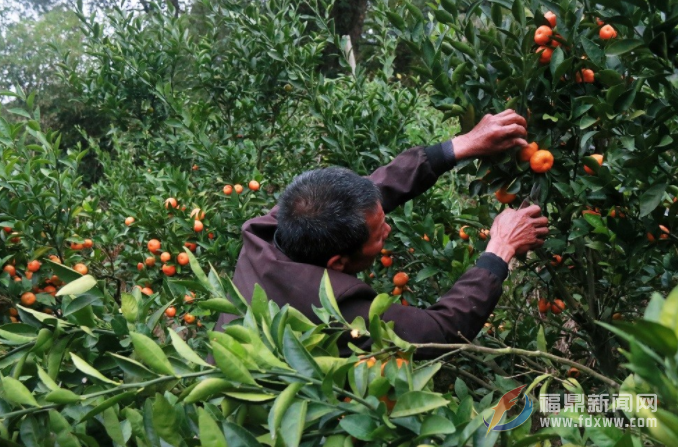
458 316
410 174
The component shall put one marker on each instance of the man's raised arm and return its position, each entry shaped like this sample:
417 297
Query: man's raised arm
415 170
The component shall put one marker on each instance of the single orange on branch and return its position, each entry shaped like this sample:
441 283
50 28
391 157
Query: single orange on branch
81 268
607 32
153 245
551 18
238 188
253 185
33 266
463 234
400 279
541 161
129 221
528 151
182 259
198 226
585 76
171 202
386 261
165 257
228 190
170 312
543 306
503 196
543 35
599 159
558 306
545 54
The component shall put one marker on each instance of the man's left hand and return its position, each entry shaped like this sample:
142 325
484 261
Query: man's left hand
493 134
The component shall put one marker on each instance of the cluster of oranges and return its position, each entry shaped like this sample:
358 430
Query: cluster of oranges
541 160
253 185
47 283
188 318
557 306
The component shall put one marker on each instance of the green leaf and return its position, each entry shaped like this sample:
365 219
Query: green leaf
86 368
379 305
594 52
518 10
541 339
292 426
185 351
151 354
669 313
280 406
108 403
298 357
327 299
556 59
207 388
78 287
416 402
165 421
17 393
359 426
112 426
422 376
129 307
219 305
231 366
436 425
62 396
238 436
651 199
623 46
210 433
426 273
250 397
197 270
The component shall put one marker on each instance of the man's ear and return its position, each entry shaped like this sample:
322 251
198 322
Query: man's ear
337 263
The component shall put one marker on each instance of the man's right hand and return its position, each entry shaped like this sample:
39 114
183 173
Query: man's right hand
517 231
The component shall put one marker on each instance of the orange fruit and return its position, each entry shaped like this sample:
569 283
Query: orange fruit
664 236
599 159
370 362
410 250
664 229
147 291
29 275
140 266
426 238
558 306
386 261
129 221
81 268
390 404
76 246
551 17
182 259
484 234
188 299
404 302
541 161
543 35
7 229
13 312
386 252
28 299
150 261
10 269
171 202
463 234
237 188
197 213
17 279
153 245
164 257
650 237
170 312
504 197
198 226
88 243
210 235
543 305
592 212
194 167
617 316
557 259
50 289
189 319
607 32
600 22
586 75
55 258
400 279
191 246
528 151
169 270
573 372
397 291
228 189
253 185
399 363
545 54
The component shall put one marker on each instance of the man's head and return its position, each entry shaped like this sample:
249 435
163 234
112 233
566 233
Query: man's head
332 218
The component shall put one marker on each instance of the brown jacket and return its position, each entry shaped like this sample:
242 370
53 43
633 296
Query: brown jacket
463 309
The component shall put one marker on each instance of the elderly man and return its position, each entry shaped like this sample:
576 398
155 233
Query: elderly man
333 219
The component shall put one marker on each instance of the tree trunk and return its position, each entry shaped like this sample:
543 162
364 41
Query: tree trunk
348 17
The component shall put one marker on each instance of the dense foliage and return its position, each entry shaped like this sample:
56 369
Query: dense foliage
118 244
